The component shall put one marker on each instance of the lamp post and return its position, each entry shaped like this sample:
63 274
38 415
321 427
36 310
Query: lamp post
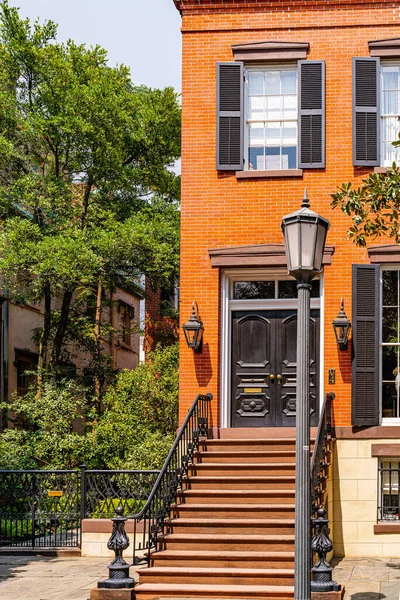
304 234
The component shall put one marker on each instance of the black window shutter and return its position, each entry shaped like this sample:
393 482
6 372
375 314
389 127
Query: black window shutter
230 116
366 130
365 371
311 114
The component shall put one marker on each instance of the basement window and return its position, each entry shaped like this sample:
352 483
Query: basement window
389 501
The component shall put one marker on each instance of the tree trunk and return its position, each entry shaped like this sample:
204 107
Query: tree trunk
44 338
97 341
62 326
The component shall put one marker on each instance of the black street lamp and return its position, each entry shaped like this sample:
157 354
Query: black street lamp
304 233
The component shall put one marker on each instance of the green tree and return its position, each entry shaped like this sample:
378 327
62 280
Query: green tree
87 196
136 430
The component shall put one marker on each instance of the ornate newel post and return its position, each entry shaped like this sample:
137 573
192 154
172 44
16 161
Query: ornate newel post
118 568
322 544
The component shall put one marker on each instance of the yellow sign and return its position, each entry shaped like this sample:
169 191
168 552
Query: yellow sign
54 493
252 390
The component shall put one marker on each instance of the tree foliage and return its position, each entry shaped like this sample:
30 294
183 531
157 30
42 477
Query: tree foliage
374 206
87 196
59 429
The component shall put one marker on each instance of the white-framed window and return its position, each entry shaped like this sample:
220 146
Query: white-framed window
389 500
390 112
271 109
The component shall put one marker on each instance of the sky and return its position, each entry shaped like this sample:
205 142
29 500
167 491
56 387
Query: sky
143 34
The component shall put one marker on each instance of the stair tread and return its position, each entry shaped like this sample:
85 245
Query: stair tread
223 554
242 477
246 452
212 587
235 492
242 465
206 521
234 506
229 536
217 570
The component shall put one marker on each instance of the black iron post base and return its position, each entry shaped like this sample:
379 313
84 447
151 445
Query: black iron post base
322 580
119 576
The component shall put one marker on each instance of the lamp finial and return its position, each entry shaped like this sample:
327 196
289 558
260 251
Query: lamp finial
306 202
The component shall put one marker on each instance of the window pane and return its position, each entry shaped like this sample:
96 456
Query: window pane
256 82
389 401
390 129
256 159
289 157
290 107
274 107
257 107
391 103
287 289
390 325
315 288
390 77
256 134
273 133
289 133
254 290
272 82
273 158
390 288
289 82
390 364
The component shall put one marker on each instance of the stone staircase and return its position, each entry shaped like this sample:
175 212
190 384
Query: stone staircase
231 534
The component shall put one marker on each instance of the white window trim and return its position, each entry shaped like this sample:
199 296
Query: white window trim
228 277
382 115
391 421
263 67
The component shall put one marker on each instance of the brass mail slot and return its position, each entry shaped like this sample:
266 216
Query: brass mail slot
252 390
54 493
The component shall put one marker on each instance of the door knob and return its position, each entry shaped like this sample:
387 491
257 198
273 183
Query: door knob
272 377
279 378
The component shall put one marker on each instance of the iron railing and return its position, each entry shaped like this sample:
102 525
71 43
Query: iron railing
320 460
150 522
44 508
104 491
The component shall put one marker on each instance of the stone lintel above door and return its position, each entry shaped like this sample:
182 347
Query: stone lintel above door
258 255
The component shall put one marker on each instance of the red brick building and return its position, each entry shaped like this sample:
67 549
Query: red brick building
279 96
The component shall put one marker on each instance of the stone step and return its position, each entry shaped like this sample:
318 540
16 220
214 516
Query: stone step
261 482
147 591
227 541
237 496
231 526
232 511
236 468
249 445
218 575
246 456
221 558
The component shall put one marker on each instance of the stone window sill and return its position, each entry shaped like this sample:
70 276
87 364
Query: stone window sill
387 527
266 174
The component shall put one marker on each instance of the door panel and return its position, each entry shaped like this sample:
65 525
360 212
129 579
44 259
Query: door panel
252 339
264 368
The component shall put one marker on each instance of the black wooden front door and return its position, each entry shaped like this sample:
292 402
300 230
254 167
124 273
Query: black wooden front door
264 368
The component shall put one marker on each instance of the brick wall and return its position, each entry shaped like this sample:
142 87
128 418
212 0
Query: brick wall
218 210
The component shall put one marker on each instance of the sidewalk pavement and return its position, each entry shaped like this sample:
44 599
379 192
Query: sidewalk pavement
56 578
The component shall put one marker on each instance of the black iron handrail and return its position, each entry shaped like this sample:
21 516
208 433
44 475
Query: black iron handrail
320 460
153 516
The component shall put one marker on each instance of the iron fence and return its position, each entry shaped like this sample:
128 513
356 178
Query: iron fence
43 508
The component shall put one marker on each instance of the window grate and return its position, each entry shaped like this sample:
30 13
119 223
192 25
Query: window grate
389 500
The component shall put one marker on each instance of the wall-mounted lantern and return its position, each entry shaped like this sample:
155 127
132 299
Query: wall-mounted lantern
341 327
194 329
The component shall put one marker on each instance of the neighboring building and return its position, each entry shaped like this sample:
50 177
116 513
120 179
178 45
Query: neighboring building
19 352
278 97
